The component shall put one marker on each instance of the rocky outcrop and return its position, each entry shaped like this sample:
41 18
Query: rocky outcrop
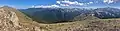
13 20
8 20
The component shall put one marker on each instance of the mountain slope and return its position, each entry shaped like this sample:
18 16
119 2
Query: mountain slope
13 20
53 15
107 12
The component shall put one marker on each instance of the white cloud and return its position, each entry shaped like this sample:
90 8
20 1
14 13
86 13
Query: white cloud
80 3
66 3
55 5
69 2
58 2
42 6
90 2
108 1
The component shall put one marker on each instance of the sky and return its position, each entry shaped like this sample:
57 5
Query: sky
93 3
60 3
25 3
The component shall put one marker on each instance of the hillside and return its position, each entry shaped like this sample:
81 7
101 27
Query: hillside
12 19
53 15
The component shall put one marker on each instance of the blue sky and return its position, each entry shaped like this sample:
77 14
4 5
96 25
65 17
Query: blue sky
25 3
29 3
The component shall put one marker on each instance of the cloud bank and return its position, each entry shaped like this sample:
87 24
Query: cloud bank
65 3
68 3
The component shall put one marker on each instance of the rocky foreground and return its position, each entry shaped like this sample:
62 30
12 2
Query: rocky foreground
13 20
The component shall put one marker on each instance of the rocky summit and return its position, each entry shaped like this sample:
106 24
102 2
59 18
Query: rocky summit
13 20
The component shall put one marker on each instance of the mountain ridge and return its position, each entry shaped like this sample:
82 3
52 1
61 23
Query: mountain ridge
67 14
12 19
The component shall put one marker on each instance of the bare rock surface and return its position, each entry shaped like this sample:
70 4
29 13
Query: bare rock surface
13 20
8 20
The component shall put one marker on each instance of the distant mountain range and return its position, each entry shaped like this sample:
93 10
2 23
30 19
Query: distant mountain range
69 14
